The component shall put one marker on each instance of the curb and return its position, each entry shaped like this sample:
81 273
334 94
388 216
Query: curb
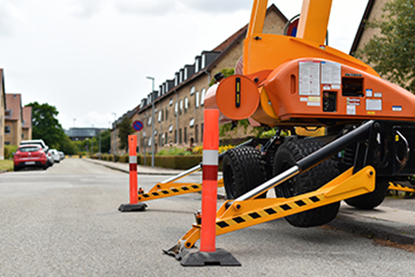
375 228
127 171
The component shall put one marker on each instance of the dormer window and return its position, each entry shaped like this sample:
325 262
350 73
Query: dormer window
8 113
203 61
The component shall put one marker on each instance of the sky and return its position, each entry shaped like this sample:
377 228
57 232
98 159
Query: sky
90 58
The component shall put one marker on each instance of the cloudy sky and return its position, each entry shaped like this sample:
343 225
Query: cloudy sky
90 58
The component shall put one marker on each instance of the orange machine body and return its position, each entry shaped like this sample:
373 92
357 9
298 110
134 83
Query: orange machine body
301 81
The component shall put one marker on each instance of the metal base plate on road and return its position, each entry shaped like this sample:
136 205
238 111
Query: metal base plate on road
132 207
218 258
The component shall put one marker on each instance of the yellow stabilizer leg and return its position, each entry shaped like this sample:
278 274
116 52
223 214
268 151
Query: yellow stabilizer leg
395 186
161 190
242 214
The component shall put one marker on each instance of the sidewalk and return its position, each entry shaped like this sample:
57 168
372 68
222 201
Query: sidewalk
388 221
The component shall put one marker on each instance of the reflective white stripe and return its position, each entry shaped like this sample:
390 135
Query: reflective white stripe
210 157
132 159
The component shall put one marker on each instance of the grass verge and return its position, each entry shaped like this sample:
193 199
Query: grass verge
6 165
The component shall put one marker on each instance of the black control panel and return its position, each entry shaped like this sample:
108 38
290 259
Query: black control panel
329 101
352 87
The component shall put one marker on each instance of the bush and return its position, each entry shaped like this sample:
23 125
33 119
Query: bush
174 162
9 150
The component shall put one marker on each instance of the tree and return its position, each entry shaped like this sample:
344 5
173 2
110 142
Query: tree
125 128
105 141
46 126
392 53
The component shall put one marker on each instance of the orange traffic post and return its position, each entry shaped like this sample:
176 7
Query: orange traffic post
133 206
208 254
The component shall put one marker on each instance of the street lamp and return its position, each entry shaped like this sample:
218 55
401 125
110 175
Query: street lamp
115 135
152 122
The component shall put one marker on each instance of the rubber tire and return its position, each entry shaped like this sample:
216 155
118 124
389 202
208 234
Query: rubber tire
286 156
372 199
243 171
16 168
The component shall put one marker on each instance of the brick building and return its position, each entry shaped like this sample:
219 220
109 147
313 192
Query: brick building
13 119
179 102
2 109
27 123
373 11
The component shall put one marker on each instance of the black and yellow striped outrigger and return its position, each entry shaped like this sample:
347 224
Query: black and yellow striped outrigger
235 215
400 187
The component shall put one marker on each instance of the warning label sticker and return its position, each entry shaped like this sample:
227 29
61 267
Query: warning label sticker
353 101
309 78
330 73
373 104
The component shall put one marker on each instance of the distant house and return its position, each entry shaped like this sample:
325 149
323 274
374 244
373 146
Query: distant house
27 123
13 115
2 108
83 133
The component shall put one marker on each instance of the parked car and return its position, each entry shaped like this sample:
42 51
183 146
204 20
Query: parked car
55 155
43 145
61 154
30 156
36 142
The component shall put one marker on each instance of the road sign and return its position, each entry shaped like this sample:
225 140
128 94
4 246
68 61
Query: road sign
138 125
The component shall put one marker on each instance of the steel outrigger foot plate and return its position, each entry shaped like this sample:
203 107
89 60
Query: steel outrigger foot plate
132 207
220 257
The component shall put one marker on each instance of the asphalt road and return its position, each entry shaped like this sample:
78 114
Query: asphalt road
65 222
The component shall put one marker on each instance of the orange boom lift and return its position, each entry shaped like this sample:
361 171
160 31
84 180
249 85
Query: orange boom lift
299 82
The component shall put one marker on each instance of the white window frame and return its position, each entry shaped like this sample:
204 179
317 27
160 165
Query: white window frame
192 90
197 99
202 97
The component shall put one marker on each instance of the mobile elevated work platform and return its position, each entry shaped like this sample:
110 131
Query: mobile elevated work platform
299 82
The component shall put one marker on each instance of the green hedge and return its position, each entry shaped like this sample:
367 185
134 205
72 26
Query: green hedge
174 162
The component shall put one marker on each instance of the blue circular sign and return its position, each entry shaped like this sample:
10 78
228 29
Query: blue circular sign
138 125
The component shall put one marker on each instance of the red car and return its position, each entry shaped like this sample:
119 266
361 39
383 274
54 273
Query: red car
30 156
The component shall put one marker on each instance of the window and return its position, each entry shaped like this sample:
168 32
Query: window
149 121
192 122
203 61
176 109
186 104
171 102
175 136
8 113
201 135
180 136
181 107
162 139
185 134
166 114
202 97
197 65
197 100
192 90
7 129
171 128
165 138
197 133
159 116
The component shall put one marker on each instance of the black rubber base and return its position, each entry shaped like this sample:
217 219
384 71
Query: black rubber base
132 207
218 258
